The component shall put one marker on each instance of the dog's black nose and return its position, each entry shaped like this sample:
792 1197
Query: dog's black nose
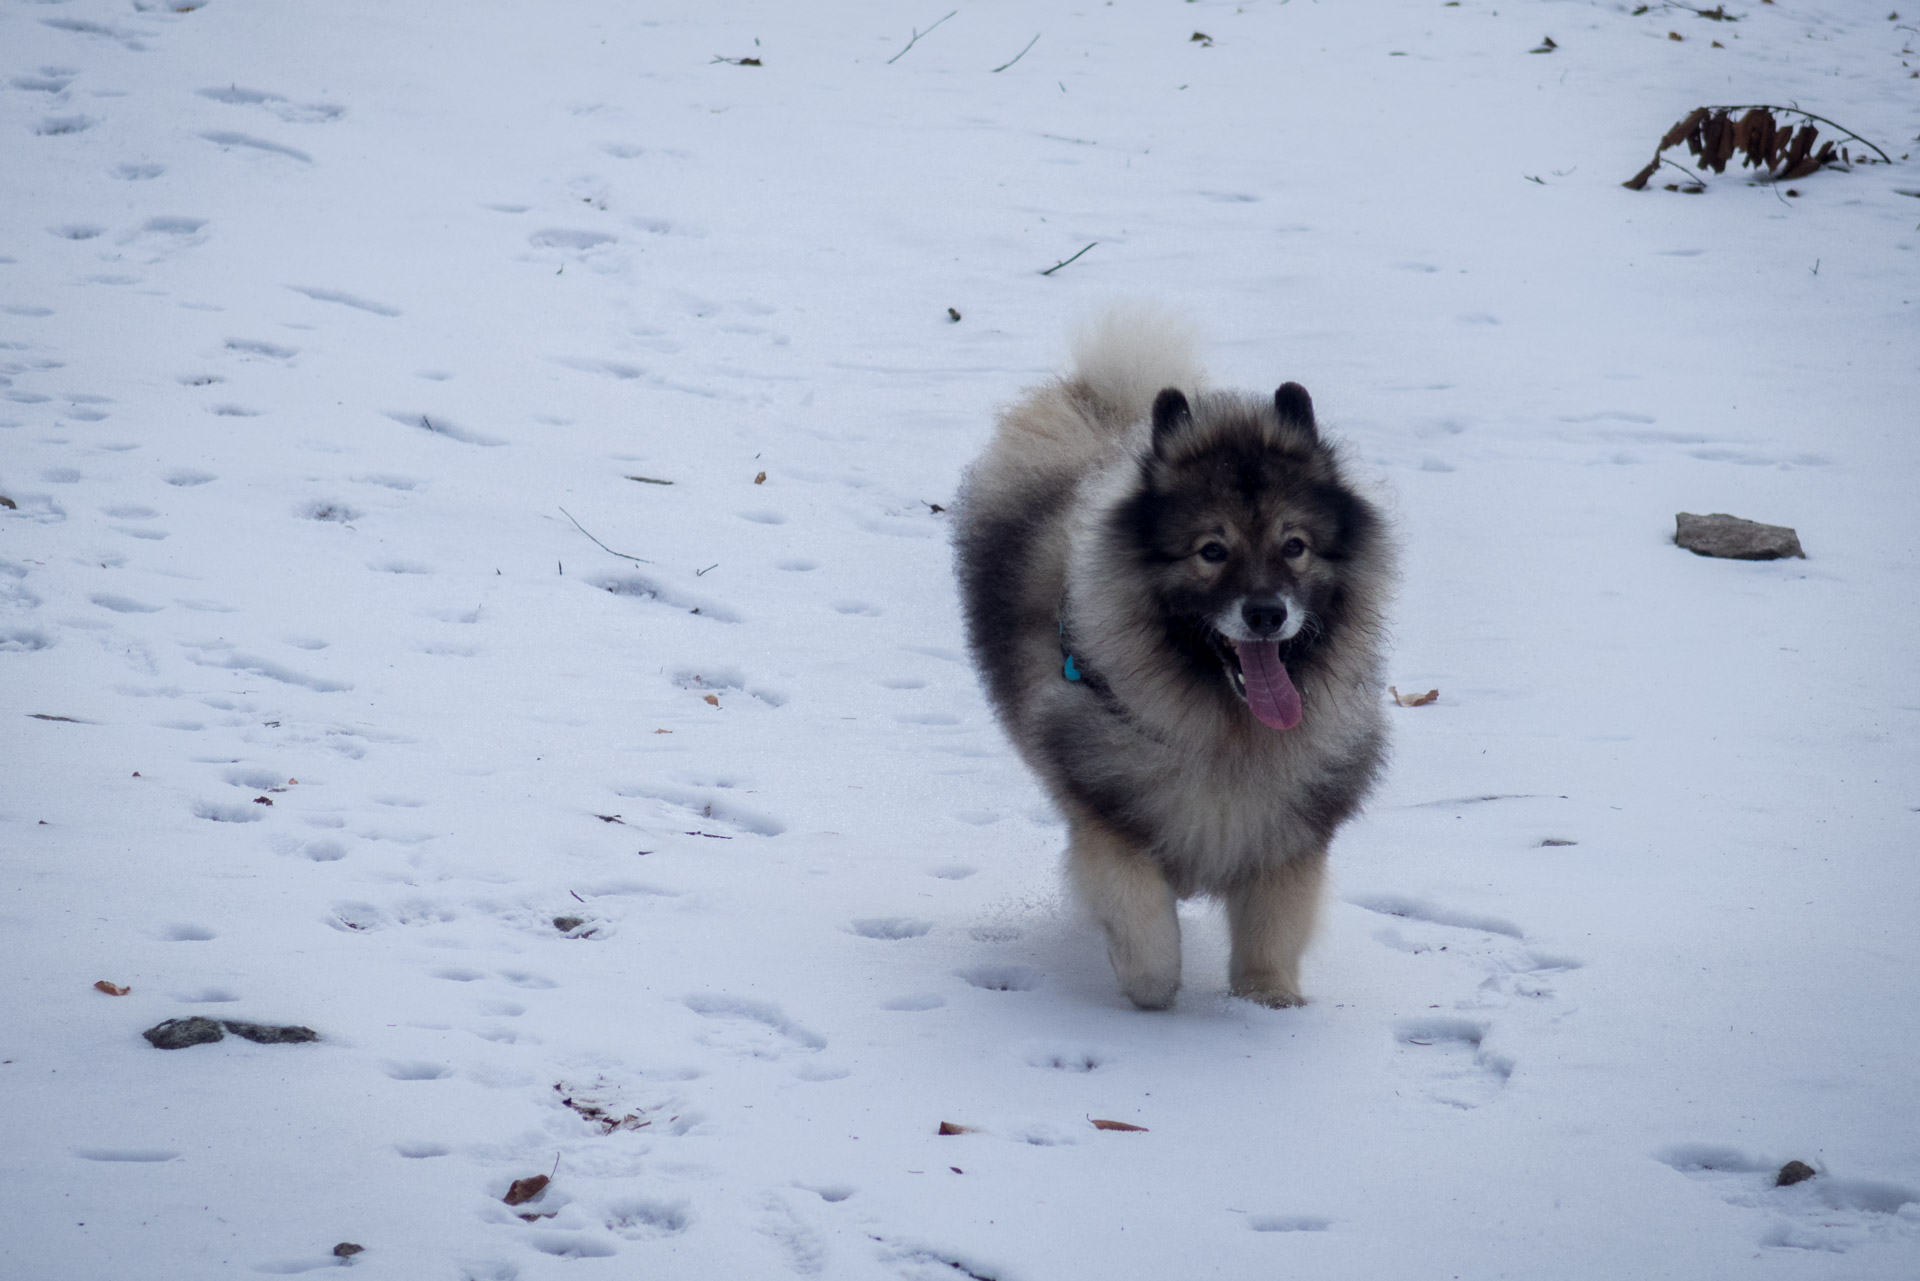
1264 615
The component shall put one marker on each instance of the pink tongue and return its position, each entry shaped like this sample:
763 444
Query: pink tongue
1270 692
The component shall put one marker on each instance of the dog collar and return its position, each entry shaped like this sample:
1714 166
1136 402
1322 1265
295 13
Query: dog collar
1068 668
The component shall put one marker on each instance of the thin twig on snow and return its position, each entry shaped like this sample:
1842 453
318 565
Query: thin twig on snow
602 546
917 33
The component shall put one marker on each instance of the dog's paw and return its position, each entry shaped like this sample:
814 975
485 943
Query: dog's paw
1272 995
1150 992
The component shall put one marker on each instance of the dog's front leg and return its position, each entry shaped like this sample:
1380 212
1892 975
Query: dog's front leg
1126 892
1272 914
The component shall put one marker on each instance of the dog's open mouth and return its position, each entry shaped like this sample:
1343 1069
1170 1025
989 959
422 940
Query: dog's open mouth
1259 677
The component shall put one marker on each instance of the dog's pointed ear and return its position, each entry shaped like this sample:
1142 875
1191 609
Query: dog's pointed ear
1171 415
1294 406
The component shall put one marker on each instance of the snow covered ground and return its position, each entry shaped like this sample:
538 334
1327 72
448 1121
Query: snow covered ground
321 326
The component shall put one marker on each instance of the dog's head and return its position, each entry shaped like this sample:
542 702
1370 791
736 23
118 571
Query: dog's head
1249 540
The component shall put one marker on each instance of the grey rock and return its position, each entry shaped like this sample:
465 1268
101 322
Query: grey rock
1793 1172
178 1034
291 1034
1731 538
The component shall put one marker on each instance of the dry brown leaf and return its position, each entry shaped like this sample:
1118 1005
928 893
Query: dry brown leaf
1099 1124
525 1190
111 989
712 700
761 479
950 1127
1413 700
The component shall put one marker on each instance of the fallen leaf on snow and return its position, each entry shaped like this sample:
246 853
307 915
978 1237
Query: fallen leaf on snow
1413 700
112 989
761 479
949 1127
1099 1124
712 699
525 1190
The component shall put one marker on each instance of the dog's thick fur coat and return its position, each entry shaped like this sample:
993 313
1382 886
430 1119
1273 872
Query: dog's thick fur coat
1174 596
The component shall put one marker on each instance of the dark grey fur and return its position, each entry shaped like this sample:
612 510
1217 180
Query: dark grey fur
1095 523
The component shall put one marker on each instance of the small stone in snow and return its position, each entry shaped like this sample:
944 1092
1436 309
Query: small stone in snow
265 1034
178 1034
568 924
1793 1172
346 1250
1731 538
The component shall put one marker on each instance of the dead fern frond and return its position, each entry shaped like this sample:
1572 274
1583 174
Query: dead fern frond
1777 150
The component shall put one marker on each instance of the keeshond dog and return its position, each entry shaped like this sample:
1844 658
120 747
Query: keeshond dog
1175 598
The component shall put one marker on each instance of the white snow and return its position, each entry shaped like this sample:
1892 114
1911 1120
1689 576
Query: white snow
322 325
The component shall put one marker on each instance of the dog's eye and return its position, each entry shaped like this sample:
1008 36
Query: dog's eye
1293 547
1213 553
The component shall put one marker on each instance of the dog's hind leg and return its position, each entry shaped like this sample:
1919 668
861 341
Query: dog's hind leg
1126 892
1272 914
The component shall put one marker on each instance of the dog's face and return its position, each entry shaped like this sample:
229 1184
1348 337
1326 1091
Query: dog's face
1244 535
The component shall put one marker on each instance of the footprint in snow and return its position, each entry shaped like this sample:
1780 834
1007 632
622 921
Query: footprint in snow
51 80
645 1218
123 604
915 1003
158 239
64 126
247 347
1817 1212
416 1070
1446 1057
246 144
1288 1223
890 927
751 1028
721 680
278 104
1064 1058
1002 978
349 300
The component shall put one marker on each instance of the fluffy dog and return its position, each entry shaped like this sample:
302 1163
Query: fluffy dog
1174 596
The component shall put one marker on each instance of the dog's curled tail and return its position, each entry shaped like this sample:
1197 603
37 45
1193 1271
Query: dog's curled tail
1127 354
